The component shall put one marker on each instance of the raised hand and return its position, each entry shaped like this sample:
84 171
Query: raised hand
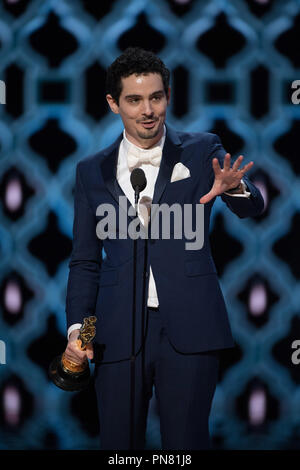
227 177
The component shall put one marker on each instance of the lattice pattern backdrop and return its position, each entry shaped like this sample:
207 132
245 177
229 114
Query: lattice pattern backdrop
232 66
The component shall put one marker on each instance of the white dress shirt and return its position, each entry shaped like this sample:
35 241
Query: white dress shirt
146 196
123 177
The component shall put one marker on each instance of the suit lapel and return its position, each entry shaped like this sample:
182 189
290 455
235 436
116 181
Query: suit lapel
171 156
109 170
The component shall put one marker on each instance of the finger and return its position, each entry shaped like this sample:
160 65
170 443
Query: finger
246 167
237 162
90 351
73 349
75 352
216 166
226 165
207 197
74 357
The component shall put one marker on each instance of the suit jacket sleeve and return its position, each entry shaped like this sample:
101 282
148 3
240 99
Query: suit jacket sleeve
243 207
86 258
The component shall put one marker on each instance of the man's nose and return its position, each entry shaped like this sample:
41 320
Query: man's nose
147 108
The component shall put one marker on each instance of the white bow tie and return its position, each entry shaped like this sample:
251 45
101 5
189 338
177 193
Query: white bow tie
136 157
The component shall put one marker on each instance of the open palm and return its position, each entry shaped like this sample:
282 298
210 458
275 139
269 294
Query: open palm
225 178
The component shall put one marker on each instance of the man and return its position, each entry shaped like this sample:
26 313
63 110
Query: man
181 321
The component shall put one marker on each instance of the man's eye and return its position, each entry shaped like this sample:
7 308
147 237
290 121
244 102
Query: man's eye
156 98
134 100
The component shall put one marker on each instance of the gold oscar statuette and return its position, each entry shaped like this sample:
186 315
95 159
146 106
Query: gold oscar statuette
67 374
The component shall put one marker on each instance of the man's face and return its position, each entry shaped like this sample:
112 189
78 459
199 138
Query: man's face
142 107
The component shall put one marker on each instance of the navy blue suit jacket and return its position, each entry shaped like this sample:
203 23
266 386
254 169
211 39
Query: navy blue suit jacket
191 302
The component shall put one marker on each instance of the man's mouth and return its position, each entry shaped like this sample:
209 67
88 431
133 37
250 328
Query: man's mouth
148 124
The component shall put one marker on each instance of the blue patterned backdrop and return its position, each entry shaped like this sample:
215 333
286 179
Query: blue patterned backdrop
232 64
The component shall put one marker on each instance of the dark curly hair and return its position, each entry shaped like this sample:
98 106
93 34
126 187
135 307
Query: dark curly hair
134 60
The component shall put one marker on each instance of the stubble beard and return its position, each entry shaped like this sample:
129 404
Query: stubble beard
150 134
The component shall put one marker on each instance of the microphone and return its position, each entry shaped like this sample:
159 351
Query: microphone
138 182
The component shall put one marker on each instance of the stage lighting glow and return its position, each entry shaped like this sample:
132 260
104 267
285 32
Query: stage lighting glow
257 299
13 195
257 407
182 2
12 297
264 192
12 405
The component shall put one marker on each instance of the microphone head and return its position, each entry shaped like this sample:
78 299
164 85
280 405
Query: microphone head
138 179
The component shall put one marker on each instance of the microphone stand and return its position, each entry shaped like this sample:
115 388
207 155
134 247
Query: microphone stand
132 359
139 182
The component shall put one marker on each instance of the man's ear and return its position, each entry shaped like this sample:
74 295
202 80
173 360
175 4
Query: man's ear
169 96
112 104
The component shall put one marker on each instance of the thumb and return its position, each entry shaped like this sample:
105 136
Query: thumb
90 351
207 197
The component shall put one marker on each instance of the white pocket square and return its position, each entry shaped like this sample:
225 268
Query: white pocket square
180 172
